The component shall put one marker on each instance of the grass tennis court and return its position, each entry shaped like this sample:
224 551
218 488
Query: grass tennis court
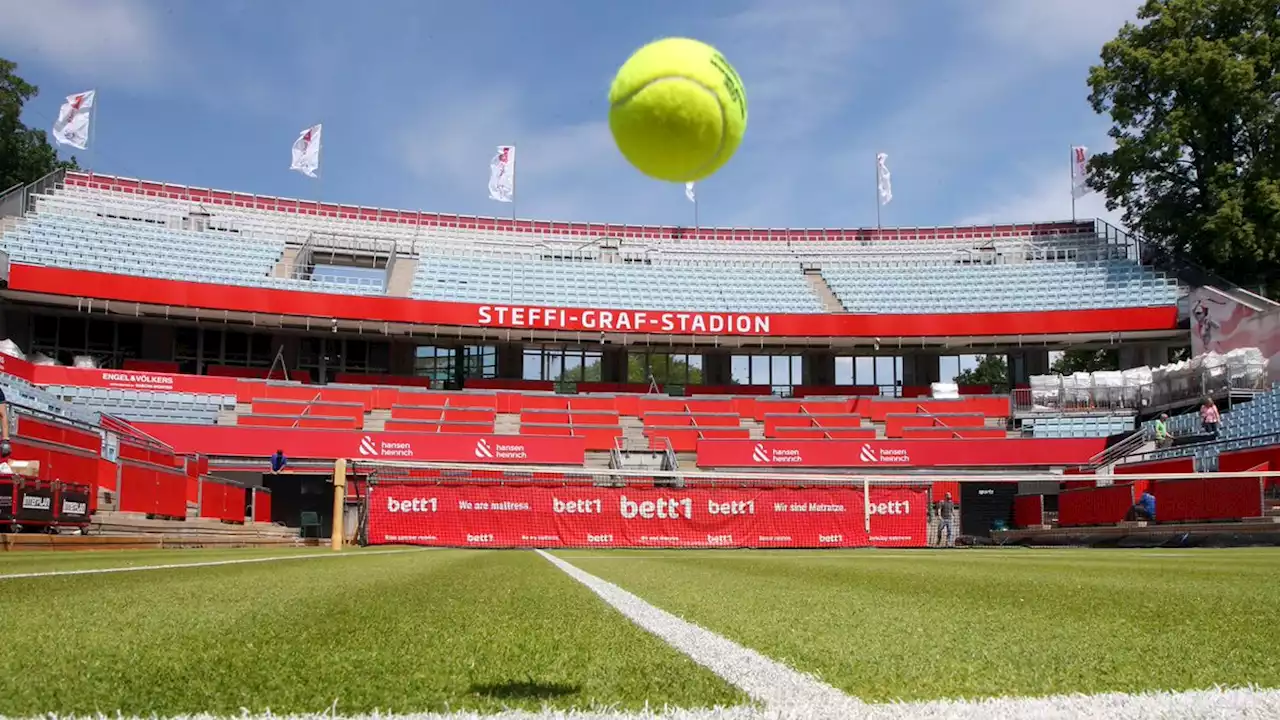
413 631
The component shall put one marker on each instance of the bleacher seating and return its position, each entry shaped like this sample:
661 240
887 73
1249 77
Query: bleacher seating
144 406
1078 426
1252 424
527 280
927 270
890 286
20 392
66 231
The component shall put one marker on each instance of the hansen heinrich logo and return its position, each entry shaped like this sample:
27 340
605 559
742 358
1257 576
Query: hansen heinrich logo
775 455
383 448
483 451
884 455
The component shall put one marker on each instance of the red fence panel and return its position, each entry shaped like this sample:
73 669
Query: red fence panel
1028 510
1106 505
1207 499
261 505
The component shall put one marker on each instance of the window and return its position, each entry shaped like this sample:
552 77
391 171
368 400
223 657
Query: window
949 366
562 364
63 337
781 372
882 371
480 361
667 368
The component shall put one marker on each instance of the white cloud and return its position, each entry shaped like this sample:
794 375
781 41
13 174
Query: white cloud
1052 30
795 58
1045 197
117 39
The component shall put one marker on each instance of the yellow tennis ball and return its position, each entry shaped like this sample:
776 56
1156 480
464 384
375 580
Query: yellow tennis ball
677 110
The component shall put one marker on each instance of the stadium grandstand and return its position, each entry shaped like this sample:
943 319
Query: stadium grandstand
172 338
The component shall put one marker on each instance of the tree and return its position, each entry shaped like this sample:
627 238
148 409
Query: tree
1074 361
991 370
25 153
1191 94
665 370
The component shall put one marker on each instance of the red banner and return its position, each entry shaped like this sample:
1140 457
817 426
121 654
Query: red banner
117 379
81 283
898 453
506 516
230 440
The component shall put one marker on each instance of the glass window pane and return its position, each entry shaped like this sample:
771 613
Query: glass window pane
740 369
866 371
760 370
844 371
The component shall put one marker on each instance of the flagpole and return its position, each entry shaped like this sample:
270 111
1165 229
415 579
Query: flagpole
877 189
696 226
1071 153
93 133
513 188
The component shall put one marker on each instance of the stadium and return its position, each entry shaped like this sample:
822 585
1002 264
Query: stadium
480 383
270 457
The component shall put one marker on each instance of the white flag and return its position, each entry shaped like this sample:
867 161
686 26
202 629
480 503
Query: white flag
72 125
688 192
502 174
883 182
306 152
1079 171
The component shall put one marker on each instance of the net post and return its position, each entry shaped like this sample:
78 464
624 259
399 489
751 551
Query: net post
866 504
339 501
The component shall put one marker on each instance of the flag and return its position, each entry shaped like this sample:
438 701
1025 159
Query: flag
502 174
72 125
1079 171
688 192
884 183
306 152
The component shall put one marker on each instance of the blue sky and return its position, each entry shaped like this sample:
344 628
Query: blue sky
976 101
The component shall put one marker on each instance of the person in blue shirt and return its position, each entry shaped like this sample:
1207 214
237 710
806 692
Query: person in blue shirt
1145 508
278 462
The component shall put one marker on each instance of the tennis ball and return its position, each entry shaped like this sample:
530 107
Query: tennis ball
677 110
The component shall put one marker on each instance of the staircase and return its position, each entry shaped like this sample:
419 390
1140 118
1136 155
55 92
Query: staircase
400 281
819 286
506 424
376 420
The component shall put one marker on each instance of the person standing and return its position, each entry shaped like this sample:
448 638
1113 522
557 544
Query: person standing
1209 417
1162 431
6 448
946 522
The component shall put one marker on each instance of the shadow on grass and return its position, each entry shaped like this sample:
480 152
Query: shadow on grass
525 690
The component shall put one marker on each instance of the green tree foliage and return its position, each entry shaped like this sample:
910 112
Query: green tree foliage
25 153
1074 361
665 370
991 370
1191 90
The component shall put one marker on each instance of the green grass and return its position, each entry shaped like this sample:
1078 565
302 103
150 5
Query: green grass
45 561
888 625
415 631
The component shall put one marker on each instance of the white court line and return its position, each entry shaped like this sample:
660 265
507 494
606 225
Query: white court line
208 563
765 680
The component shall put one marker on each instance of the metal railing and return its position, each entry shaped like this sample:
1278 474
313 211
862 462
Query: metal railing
1158 256
1069 397
18 200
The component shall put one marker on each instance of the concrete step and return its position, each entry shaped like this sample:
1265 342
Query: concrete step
376 420
819 286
